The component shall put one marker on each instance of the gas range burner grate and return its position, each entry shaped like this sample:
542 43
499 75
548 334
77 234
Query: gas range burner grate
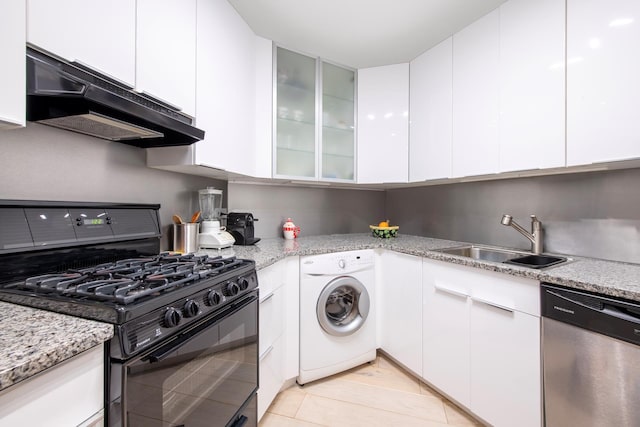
130 280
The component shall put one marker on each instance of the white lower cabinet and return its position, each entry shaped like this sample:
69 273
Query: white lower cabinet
481 341
400 309
278 342
45 398
504 366
445 332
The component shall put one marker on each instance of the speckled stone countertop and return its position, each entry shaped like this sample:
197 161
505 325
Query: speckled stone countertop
611 278
33 340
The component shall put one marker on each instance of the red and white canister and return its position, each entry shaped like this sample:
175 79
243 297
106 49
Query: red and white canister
290 230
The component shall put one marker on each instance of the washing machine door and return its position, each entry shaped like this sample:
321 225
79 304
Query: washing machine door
343 306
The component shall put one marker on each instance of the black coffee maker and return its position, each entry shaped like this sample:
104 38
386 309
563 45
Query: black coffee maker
240 225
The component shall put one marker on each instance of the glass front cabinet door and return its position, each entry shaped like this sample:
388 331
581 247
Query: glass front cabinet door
314 124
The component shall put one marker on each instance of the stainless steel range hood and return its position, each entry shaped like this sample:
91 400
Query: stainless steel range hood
72 97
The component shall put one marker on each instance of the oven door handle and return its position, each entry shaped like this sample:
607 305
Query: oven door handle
181 339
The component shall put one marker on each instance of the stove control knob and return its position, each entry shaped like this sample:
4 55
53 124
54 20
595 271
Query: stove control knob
213 298
191 308
243 283
172 317
231 289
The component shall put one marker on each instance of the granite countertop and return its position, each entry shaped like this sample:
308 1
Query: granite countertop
33 340
616 279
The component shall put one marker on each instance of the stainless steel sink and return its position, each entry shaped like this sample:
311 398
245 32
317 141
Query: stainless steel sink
484 253
509 256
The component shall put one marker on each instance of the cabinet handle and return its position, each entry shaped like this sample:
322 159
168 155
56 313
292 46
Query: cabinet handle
266 353
266 297
450 291
492 304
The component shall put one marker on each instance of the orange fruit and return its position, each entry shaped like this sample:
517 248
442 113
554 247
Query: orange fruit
384 224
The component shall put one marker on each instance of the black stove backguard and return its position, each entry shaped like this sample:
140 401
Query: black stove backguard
38 236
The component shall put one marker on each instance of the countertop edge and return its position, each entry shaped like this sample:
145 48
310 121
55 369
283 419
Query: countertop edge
46 345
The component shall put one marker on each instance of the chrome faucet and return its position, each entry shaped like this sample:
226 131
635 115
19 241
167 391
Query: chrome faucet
536 231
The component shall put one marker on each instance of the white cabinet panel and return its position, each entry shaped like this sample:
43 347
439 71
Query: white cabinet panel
96 33
445 328
603 96
263 109
12 80
166 51
431 113
271 318
532 99
271 375
505 366
481 341
225 101
400 309
44 398
383 124
279 314
291 267
476 62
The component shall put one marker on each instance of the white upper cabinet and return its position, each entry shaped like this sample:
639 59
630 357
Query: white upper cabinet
532 99
603 95
13 82
95 33
383 124
430 115
225 101
476 84
237 123
166 51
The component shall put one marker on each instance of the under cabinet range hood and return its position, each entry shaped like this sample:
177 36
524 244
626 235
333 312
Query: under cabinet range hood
70 96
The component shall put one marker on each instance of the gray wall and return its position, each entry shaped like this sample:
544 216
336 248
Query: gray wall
315 210
590 214
44 163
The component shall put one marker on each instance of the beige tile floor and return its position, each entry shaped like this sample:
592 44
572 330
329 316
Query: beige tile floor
375 394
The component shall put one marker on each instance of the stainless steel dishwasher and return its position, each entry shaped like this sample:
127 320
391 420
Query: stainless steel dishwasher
591 359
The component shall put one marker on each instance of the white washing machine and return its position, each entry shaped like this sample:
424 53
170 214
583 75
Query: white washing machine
337 313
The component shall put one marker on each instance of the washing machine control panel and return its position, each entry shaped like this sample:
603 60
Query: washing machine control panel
338 263
350 261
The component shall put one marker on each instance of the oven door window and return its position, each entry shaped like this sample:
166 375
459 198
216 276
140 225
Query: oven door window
202 378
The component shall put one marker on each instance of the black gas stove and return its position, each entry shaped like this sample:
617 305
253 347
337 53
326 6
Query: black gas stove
171 312
148 298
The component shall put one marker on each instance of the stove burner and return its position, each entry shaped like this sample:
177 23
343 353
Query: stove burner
54 282
130 280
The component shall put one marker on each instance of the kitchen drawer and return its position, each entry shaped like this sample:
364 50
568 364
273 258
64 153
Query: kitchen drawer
488 287
271 375
271 278
271 318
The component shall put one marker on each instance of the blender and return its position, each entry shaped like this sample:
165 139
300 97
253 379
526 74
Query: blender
212 235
